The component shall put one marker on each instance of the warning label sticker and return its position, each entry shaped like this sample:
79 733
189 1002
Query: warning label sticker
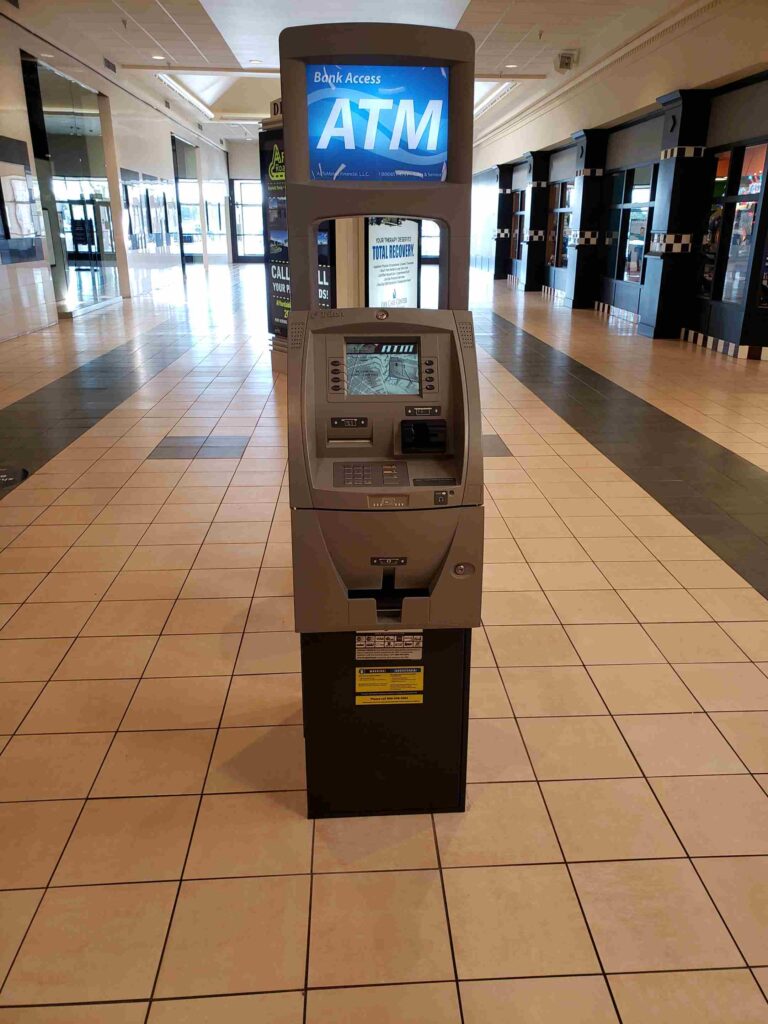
389 698
392 644
390 679
389 684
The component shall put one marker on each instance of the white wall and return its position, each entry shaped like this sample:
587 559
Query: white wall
244 160
709 43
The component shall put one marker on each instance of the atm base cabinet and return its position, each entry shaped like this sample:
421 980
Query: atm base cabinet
385 734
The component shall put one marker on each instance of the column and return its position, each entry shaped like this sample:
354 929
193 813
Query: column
535 222
112 165
583 274
503 224
201 201
681 196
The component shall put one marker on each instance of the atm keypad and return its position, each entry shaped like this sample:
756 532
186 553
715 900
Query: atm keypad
370 474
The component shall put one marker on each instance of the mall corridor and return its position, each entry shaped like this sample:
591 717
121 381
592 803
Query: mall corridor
613 860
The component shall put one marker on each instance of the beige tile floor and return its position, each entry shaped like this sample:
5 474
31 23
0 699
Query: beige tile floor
156 862
723 398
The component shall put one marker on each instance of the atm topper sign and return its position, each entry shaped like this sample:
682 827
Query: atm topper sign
377 123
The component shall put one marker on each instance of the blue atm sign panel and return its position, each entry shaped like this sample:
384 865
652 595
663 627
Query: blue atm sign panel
377 123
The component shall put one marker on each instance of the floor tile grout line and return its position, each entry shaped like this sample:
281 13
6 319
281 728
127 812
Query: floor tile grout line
7 975
562 358
305 990
95 777
446 911
690 859
202 795
566 865
377 985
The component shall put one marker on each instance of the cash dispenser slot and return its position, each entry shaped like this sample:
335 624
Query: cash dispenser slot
389 598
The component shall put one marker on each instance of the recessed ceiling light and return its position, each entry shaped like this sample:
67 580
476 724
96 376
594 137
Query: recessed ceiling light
157 56
48 55
510 65
255 60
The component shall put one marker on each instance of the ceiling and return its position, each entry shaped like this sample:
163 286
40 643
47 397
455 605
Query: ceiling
529 34
215 48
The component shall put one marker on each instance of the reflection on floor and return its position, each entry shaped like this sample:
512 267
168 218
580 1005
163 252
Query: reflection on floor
90 283
157 864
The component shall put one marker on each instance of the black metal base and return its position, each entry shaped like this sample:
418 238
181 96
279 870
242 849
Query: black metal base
404 752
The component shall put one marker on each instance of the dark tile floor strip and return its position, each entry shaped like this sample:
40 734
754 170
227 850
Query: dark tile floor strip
39 426
717 495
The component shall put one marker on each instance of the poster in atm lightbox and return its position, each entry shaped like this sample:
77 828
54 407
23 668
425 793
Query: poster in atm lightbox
393 263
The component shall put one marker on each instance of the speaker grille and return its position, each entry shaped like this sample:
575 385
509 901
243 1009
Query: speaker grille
466 335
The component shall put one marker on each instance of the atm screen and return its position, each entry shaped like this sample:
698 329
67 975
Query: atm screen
388 367
377 123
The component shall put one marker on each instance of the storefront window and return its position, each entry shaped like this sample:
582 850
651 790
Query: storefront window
762 294
559 223
641 185
517 231
634 249
631 194
727 239
737 267
612 235
751 180
722 167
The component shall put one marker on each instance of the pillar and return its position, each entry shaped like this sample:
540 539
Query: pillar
681 195
535 222
112 165
201 202
583 271
503 224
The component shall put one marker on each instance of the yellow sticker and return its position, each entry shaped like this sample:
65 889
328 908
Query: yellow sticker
389 679
389 698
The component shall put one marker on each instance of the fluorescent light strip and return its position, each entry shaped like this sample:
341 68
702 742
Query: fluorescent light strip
186 95
494 94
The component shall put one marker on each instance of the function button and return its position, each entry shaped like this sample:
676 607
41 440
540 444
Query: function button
429 362
430 387
335 387
429 380
335 362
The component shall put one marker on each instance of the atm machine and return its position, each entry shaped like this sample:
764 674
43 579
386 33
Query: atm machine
384 434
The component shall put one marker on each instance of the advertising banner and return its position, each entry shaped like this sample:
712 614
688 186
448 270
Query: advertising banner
377 123
278 275
272 162
393 262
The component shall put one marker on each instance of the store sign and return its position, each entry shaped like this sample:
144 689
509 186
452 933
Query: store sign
377 123
393 263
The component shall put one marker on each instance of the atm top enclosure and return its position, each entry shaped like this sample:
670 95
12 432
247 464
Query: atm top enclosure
371 48
384 410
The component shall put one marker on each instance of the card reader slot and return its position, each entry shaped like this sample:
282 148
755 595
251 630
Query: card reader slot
423 437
